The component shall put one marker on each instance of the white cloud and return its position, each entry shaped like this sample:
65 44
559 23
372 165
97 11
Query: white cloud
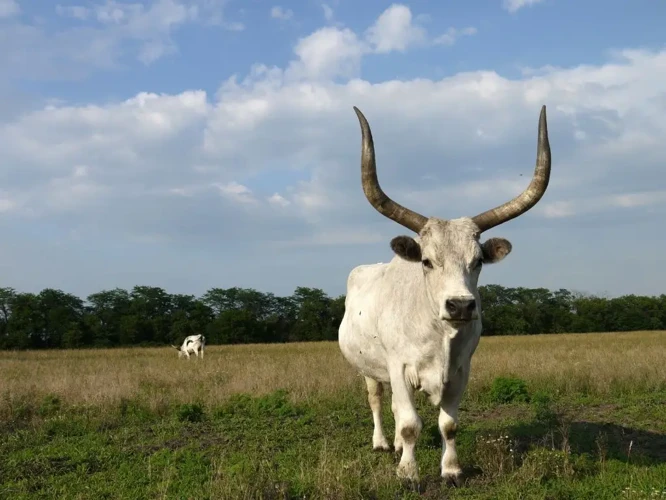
273 159
328 53
452 35
9 8
307 124
282 14
571 208
279 200
515 5
333 52
236 192
395 30
107 32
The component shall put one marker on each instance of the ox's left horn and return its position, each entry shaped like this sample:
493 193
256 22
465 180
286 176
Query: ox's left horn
530 197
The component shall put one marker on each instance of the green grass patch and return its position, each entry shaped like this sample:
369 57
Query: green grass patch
271 447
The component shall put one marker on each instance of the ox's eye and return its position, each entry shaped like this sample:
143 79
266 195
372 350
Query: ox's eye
476 263
427 263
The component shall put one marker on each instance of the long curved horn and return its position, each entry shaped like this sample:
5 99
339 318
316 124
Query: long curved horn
528 198
373 192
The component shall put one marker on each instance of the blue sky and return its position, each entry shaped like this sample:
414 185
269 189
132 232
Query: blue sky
201 143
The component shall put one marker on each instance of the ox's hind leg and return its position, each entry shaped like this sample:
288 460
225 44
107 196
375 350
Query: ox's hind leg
375 392
408 423
448 426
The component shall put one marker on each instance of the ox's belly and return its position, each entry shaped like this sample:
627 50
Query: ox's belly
361 347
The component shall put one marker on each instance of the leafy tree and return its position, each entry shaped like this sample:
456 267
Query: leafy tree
150 315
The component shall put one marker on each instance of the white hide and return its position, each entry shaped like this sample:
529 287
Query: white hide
193 344
415 322
393 332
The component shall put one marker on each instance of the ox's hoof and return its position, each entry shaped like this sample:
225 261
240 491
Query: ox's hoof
408 471
381 447
452 477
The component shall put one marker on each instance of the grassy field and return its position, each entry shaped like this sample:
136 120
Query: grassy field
548 417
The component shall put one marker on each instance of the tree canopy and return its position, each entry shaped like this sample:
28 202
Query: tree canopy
149 315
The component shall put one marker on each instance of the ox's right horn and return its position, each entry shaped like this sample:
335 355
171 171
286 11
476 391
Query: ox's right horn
528 198
373 192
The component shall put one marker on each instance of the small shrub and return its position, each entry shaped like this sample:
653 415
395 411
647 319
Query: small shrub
50 404
543 411
190 412
509 390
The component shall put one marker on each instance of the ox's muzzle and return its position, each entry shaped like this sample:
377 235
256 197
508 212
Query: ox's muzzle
459 309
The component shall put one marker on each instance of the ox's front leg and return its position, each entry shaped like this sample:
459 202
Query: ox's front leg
408 423
448 426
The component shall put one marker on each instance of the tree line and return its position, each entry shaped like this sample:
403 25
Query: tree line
149 316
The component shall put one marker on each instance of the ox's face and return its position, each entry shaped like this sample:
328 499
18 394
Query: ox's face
451 257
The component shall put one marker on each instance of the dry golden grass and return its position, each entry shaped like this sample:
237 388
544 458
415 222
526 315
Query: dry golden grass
572 363
594 363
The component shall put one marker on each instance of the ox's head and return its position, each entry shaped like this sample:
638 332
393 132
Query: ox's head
450 252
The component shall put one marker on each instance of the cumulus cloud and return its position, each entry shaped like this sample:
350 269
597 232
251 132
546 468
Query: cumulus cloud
328 53
270 163
395 30
332 52
258 127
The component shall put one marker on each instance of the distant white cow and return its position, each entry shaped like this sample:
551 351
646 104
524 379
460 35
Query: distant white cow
193 344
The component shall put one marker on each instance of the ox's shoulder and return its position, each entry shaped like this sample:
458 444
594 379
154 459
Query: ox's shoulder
364 273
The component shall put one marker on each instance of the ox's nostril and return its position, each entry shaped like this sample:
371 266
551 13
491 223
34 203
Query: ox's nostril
460 308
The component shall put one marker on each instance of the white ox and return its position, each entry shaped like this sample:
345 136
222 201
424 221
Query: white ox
192 344
415 322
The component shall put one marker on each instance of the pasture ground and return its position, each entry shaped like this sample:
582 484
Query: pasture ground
548 417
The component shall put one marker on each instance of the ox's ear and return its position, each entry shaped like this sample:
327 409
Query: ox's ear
406 248
495 249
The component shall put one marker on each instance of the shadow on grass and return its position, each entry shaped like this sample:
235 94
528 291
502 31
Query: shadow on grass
541 449
599 440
